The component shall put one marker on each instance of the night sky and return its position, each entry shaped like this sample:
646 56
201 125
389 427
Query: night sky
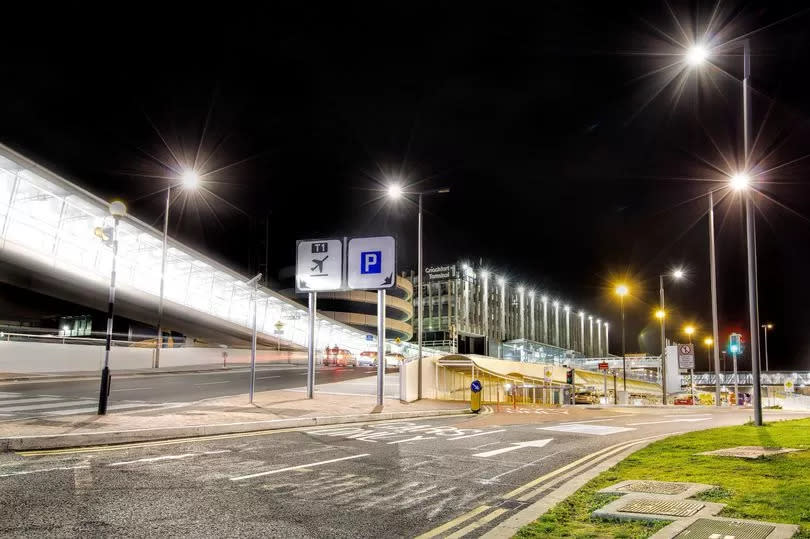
577 147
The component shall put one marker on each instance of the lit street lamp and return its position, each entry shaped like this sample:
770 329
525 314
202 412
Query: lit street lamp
708 341
621 291
117 210
556 305
395 191
766 327
689 331
567 309
190 180
661 315
695 56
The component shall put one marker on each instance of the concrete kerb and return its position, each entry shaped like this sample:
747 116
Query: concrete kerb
84 439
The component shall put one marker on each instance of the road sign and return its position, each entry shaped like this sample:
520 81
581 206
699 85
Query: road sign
319 265
604 366
372 263
475 387
789 387
686 356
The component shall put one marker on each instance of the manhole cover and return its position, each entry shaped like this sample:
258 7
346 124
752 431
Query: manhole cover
704 528
748 451
673 508
655 487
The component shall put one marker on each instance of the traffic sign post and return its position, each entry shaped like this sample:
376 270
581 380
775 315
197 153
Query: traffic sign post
686 361
475 396
318 268
372 265
604 367
735 346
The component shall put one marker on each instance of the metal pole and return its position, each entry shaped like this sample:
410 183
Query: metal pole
159 339
663 341
313 300
253 344
736 379
567 329
606 393
715 331
751 243
104 391
381 346
766 348
624 353
545 321
419 330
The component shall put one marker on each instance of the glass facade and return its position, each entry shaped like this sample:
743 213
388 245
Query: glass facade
47 218
471 310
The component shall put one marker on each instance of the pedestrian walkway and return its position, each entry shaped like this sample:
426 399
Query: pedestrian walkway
14 406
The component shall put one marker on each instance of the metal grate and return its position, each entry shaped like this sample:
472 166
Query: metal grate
655 487
675 508
704 528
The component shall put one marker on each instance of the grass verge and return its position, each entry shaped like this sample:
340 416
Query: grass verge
775 489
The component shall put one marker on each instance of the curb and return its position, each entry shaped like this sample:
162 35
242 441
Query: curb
103 438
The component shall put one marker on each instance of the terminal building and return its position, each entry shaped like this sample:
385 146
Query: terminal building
471 310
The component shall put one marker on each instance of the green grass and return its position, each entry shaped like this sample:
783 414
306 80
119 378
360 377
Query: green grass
775 489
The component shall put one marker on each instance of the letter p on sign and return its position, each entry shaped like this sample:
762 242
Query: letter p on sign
370 262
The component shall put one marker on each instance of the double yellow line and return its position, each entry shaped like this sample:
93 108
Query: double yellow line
592 458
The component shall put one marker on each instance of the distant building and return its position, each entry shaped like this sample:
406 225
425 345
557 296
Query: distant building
471 310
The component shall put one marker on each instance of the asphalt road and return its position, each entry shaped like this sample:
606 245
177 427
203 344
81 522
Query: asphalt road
383 479
43 399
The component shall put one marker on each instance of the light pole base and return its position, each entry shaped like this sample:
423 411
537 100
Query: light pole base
104 391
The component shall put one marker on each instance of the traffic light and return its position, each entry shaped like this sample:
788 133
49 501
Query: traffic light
735 343
569 376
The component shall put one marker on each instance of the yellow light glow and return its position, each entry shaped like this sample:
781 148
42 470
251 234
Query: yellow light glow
708 341
689 330
622 290
659 314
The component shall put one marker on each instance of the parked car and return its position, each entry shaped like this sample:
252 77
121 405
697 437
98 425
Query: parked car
367 359
586 397
339 357
685 400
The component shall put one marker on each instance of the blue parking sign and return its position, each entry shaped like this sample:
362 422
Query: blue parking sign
370 262
475 387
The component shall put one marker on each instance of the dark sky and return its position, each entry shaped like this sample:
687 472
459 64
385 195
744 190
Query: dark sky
575 155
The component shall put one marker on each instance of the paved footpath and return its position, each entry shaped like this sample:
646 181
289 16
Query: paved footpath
451 476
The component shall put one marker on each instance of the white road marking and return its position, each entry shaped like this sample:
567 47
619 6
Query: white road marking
27 400
593 420
477 434
685 420
514 446
600 430
132 389
213 383
321 463
61 468
266 377
415 438
513 470
681 415
6 395
169 457
43 406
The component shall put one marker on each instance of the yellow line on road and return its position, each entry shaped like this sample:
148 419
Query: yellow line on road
477 524
453 523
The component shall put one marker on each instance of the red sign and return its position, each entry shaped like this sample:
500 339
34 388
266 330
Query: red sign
604 366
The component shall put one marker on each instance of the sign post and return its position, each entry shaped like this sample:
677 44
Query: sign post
686 361
604 367
372 265
318 267
253 284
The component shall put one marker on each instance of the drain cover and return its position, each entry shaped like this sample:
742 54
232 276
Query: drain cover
675 508
655 487
704 528
749 451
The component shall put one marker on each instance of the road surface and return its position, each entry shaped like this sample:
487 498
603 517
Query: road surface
452 475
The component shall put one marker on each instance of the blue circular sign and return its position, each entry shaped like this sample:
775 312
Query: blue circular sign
475 387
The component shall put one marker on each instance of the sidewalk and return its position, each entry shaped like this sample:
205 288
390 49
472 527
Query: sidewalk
222 415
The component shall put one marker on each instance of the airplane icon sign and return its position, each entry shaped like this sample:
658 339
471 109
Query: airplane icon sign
319 265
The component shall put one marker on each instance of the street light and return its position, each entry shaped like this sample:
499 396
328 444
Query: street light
708 341
556 305
766 327
567 309
689 330
117 211
676 274
395 191
695 56
190 180
621 291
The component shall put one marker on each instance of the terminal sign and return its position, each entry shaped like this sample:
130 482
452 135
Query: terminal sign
372 263
319 265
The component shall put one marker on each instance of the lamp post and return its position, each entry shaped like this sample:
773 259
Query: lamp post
556 305
582 331
708 341
622 291
395 191
696 55
661 315
190 180
590 335
599 337
522 317
766 327
117 210
544 299
607 339
532 331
